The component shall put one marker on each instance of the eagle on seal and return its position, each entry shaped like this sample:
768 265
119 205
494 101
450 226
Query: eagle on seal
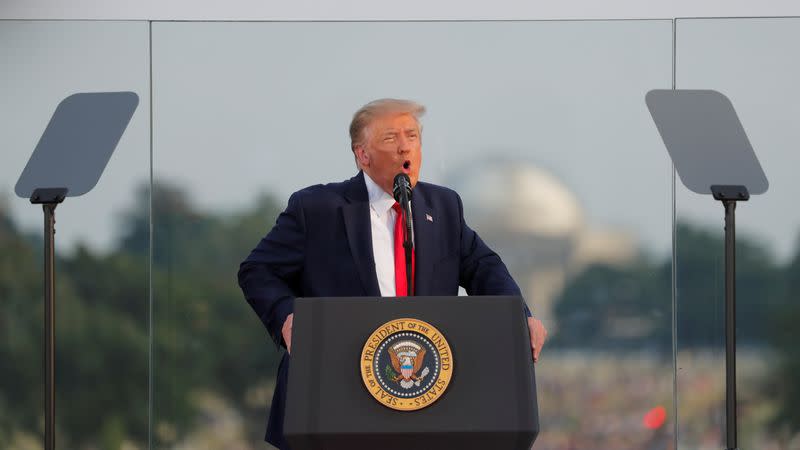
407 358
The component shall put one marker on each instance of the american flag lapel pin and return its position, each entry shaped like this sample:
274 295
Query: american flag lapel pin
428 218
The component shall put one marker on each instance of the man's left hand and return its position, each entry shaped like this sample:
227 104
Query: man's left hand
538 336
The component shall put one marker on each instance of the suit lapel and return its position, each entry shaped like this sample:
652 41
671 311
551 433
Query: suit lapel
424 239
359 233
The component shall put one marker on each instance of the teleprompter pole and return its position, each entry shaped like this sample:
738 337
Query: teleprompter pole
730 323
49 198
729 195
50 324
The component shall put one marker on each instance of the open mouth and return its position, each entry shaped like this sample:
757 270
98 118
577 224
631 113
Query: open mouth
407 165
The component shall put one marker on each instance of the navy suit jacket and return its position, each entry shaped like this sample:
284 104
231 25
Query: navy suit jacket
321 246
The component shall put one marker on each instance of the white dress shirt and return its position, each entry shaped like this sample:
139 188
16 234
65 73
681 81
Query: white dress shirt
382 218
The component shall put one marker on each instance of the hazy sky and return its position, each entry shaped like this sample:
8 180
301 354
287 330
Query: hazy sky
240 108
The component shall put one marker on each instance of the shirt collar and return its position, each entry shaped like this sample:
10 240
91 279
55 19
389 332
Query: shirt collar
379 200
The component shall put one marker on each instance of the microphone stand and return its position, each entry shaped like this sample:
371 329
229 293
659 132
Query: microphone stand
402 194
408 244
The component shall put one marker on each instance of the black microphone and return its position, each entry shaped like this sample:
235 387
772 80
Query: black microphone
402 185
402 194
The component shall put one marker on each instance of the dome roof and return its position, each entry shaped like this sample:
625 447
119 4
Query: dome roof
519 197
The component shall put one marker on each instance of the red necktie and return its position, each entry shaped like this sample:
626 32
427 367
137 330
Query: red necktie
400 281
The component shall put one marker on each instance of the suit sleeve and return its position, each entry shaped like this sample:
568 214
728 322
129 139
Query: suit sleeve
482 272
271 275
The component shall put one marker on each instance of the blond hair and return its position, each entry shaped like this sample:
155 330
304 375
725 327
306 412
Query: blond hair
377 108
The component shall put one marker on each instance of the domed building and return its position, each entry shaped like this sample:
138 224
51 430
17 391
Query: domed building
538 226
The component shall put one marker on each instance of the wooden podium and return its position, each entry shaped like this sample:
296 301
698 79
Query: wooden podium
489 401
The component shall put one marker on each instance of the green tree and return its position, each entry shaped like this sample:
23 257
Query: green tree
21 332
612 307
205 337
784 337
631 307
700 277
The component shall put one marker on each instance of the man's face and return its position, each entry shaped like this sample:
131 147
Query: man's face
393 145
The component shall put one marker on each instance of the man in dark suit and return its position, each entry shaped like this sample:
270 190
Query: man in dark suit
337 239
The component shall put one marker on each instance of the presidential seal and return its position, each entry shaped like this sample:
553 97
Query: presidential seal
406 364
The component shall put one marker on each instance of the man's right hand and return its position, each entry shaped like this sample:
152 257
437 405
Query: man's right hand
286 331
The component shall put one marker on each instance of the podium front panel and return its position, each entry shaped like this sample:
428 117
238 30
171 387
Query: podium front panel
490 401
